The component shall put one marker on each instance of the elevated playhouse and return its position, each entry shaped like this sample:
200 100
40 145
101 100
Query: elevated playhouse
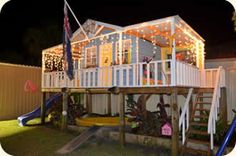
164 56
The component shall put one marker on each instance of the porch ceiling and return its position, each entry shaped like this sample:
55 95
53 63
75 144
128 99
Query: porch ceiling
160 34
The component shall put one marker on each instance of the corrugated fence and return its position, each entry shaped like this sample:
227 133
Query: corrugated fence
20 90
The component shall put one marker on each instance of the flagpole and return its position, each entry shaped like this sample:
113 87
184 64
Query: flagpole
76 19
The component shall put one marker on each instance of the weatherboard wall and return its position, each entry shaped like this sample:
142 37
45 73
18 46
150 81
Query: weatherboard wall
100 103
145 49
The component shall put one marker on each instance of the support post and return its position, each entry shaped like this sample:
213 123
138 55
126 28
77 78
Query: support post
43 108
89 102
120 48
175 123
109 104
173 55
191 105
223 105
122 119
64 108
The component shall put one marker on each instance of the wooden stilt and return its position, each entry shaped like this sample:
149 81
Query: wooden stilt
175 123
89 103
191 105
64 108
122 119
109 104
43 108
223 106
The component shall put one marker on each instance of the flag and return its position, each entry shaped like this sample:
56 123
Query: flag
67 55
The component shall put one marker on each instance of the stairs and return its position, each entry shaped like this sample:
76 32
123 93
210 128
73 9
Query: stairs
197 138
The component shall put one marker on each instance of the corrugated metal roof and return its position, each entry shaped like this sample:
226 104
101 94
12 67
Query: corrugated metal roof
18 65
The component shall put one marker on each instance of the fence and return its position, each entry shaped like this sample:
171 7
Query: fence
20 90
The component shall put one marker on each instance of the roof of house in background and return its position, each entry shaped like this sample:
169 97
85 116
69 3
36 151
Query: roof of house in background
223 50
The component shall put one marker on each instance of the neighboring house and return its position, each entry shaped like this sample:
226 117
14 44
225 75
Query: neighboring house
224 49
164 56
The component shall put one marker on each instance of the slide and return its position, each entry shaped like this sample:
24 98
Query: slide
23 119
227 139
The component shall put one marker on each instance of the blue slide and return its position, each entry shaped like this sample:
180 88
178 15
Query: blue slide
23 119
227 138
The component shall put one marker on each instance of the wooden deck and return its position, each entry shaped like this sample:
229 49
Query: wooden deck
131 90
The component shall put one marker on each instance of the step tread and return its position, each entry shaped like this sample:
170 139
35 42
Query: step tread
205 90
201 109
200 116
198 123
203 102
192 131
195 151
199 141
202 96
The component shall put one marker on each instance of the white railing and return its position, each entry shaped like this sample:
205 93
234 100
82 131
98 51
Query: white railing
187 75
58 80
208 78
155 73
213 116
184 118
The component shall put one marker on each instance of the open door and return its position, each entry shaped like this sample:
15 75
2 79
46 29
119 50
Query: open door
105 73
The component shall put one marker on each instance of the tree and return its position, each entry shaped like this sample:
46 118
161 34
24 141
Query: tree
37 39
234 20
11 56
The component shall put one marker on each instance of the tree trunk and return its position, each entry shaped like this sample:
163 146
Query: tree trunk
141 103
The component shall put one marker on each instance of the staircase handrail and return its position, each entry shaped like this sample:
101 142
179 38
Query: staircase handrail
185 115
214 107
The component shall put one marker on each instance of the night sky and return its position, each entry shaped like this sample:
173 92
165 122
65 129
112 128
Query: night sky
210 18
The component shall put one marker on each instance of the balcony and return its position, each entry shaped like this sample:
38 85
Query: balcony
166 73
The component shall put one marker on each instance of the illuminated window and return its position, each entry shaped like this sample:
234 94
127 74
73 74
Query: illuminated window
91 56
126 52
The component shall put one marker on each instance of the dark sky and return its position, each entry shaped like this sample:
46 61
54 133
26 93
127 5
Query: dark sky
210 18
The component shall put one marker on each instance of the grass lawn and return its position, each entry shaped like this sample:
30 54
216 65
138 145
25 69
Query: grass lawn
44 141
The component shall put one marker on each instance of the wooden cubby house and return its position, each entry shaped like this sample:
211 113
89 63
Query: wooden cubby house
164 56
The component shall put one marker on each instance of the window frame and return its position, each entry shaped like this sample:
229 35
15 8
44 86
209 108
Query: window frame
129 52
93 50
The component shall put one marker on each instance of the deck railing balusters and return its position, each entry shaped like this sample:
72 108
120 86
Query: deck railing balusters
155 73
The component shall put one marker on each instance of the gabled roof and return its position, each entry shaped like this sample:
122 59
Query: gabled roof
93 28
160 28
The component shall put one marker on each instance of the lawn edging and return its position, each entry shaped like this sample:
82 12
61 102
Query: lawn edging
111 133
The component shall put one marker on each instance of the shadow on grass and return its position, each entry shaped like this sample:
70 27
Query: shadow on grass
31 140
37 124
45 140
